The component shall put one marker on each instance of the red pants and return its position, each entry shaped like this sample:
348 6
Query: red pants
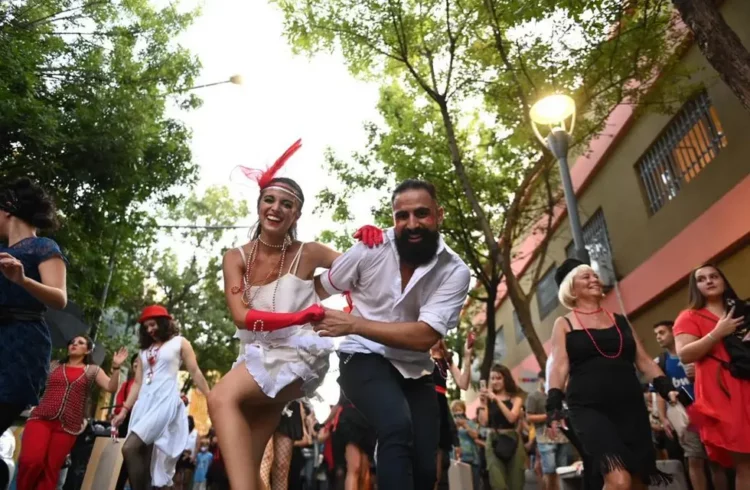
44 447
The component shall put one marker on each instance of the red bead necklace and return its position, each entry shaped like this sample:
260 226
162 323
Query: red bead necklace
619 332
152 354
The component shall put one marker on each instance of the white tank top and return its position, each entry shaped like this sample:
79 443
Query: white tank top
293 294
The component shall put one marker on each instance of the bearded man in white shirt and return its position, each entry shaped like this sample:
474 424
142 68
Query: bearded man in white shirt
406 295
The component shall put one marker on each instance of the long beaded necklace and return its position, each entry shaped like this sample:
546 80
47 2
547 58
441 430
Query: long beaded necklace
152 355
248 299
619 332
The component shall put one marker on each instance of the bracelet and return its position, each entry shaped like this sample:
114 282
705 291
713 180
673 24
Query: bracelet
711 336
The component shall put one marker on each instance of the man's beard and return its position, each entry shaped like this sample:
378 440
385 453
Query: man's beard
417 253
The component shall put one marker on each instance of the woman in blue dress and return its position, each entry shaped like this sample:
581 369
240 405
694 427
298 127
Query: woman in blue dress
32 278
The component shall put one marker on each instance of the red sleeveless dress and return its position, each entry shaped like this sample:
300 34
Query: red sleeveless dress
722 402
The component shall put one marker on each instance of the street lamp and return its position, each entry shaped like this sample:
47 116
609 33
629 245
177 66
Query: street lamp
234 80
554 111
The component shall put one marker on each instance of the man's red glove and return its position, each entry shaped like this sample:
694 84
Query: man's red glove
266 321
370 235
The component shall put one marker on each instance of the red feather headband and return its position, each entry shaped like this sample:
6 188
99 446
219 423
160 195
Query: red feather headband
264 177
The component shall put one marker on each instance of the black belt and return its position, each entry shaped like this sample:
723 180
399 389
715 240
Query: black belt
10 315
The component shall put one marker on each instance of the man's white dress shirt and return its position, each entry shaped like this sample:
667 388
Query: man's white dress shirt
434 295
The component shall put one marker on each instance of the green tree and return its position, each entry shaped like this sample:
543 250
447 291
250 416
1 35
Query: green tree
84 85
188 281
457 81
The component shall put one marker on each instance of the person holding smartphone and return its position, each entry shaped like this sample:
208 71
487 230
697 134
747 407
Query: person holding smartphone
713 321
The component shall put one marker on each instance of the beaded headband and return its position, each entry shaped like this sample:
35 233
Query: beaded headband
285 189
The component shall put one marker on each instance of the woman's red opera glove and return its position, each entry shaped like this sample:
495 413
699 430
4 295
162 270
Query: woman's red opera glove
266 321
370 235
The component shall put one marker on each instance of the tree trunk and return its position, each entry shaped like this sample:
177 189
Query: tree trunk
520 302
719 44
490 334
458 164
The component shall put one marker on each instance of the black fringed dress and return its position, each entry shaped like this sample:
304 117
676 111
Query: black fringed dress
606 406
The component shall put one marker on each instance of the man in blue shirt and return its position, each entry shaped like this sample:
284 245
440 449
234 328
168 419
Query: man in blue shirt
683 377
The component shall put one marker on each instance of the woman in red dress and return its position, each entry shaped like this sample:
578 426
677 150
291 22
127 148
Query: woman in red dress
55 423
722 402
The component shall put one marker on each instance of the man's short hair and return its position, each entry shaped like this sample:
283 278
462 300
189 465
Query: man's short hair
665 323
414 184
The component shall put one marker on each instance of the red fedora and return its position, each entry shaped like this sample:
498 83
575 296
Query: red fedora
154 311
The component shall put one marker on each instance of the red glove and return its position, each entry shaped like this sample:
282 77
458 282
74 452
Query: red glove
370 235
266 321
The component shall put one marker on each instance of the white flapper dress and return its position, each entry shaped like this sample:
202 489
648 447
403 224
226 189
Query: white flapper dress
159 416
276 359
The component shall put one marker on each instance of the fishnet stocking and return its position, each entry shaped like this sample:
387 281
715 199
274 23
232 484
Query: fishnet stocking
137 456
266 464
282 460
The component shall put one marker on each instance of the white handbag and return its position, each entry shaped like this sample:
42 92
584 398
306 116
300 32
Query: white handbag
459 476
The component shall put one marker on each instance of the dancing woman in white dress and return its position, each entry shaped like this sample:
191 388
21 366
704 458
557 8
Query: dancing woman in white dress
158 424
272 273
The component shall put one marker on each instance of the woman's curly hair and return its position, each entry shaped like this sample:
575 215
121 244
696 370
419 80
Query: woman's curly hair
30 203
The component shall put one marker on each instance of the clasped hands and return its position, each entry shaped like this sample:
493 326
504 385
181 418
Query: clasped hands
336 323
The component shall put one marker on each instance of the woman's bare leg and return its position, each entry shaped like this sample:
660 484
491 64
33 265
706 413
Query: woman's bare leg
365 477
353 467
244 419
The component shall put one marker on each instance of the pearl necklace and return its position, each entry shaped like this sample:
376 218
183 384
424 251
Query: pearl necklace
281 245
248 299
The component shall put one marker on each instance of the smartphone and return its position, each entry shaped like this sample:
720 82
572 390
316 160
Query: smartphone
470 339
482 384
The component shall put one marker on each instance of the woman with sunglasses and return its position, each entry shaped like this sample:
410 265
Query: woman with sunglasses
55 423
32 279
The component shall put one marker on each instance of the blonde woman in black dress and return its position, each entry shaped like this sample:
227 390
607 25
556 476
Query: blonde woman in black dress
599 353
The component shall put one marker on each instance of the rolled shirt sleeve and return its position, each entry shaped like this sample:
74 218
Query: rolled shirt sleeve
442 309
344 272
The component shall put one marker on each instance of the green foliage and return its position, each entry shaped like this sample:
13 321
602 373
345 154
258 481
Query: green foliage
190 287
457 81
83 91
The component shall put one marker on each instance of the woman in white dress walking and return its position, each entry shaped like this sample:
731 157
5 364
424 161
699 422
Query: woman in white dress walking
271 275
158 424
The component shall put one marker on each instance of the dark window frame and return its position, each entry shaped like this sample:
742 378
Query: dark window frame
691 140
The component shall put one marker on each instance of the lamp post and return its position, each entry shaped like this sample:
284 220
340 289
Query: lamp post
234 80
554 111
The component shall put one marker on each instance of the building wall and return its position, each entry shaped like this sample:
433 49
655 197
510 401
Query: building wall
635 234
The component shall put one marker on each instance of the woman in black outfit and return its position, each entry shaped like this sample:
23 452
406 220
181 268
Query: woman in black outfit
353 447
599 352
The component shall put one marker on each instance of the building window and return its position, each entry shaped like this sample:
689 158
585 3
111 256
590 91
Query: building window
546 294
691 141
520 335
596 238
500 349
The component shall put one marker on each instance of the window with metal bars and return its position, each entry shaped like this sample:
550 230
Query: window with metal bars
596 238
546 293
691 141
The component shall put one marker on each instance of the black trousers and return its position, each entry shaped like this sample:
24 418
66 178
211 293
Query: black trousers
404 414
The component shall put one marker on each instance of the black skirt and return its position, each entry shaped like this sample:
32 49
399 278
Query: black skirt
352 428
290 424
